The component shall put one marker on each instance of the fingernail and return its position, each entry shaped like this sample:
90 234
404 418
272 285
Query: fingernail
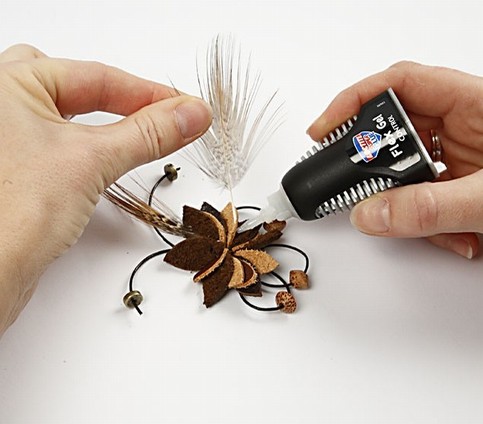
194 117
371 216
462 247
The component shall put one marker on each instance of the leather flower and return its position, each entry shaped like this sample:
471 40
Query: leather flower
222 258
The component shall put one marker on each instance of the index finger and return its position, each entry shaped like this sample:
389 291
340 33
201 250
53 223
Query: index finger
79 87
423 90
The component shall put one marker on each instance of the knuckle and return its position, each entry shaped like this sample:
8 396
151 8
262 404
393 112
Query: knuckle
400 72
23 51
151 135
425 209
403 65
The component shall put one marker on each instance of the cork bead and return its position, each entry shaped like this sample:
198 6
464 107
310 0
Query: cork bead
287 301
299 279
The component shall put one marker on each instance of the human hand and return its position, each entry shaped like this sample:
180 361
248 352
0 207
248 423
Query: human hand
448 212
53 171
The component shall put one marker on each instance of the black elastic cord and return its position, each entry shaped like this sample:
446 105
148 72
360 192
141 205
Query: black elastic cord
255 208
260 308
296 249
150 201
138 266
284 284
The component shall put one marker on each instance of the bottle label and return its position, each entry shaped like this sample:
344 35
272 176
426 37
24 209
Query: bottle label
367 144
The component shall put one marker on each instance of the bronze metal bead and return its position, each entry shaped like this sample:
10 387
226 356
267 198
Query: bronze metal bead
170 172
287 301
132 299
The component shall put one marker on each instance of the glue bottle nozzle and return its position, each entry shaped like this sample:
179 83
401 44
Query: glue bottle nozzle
279 207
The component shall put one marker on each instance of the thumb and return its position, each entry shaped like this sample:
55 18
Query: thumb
152 132
422 210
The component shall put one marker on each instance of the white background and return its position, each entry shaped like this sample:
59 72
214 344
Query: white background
391 330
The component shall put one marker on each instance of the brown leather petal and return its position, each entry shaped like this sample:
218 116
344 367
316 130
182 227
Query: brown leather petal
206 207
204 272
216 284
254 290
260 241
203 224
275 225
250 276
194 253
245 236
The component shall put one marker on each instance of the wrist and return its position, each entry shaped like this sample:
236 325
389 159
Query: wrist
19 271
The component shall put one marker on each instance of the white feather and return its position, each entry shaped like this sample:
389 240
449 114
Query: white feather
238 133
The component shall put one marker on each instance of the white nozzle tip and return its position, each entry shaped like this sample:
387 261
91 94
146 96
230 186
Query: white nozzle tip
265 215
279 207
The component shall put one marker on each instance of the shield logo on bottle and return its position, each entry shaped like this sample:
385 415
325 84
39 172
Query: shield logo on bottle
367 144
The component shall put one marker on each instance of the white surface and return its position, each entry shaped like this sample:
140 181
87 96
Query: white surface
391 330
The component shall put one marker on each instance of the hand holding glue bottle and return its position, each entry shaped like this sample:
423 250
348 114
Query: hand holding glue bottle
358 160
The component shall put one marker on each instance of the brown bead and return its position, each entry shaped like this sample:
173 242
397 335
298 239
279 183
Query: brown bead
170 171
287 301
132 299
299 279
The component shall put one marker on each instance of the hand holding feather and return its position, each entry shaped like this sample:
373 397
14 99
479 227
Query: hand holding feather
52 171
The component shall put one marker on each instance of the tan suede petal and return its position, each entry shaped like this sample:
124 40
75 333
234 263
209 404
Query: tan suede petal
238 277
261 260
230 215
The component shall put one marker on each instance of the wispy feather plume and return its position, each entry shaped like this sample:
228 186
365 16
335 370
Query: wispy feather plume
237 134
159 216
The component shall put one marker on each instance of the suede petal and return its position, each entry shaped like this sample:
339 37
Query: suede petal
216 284
194 253
261 260
254 290
260 241
203 224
